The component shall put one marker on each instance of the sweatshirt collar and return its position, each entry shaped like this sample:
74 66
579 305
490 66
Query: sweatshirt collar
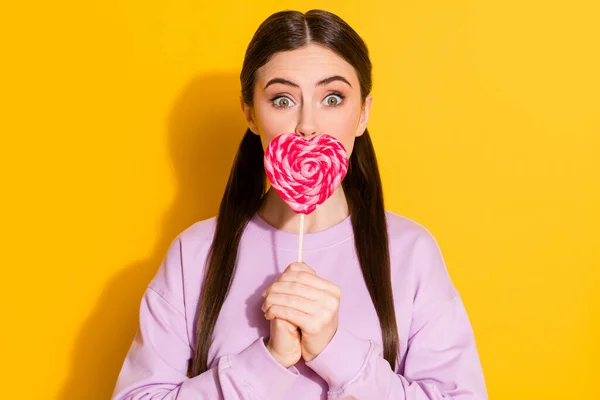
311 241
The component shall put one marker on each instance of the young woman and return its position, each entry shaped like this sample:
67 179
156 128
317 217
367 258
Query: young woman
372 312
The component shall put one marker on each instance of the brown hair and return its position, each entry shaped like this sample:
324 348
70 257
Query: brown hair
284 31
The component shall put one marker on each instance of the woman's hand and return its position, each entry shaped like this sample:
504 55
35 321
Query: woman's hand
284 342
308 301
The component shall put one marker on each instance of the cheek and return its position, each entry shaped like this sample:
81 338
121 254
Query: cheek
271 123
348 145
343 127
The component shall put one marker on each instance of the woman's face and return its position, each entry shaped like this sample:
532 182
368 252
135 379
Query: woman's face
310 91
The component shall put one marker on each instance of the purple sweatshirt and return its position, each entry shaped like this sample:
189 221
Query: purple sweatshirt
438 353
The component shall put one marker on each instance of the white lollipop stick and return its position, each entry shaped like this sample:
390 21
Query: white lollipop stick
301 235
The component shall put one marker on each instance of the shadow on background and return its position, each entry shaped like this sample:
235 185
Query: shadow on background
205 128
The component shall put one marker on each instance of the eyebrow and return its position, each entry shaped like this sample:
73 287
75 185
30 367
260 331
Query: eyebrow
320 83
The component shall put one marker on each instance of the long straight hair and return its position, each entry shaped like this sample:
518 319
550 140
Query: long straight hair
246 186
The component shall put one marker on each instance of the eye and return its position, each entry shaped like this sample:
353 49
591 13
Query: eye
334 99
281 102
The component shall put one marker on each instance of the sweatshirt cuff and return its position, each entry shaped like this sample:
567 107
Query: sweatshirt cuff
257 367
342 359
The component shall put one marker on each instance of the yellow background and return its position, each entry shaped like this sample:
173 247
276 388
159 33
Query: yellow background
119 123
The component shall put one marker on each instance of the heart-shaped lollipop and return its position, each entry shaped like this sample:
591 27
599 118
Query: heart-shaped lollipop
305 173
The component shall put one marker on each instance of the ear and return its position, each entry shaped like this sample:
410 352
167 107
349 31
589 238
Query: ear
364 115
249 116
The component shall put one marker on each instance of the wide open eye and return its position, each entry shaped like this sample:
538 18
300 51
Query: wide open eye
282 102
333 100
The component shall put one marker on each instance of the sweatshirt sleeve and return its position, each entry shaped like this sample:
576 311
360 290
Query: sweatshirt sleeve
156 365
441 361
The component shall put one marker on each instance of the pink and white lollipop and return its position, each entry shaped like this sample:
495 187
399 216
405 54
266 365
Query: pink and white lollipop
305 173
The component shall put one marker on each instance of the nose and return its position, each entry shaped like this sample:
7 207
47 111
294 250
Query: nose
306 125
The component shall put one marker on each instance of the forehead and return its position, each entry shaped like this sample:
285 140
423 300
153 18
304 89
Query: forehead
306 65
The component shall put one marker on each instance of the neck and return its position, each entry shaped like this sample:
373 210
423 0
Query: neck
278 213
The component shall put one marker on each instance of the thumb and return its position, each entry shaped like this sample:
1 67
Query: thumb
301 266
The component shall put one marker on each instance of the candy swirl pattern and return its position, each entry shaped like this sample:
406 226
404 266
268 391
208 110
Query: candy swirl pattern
305 173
